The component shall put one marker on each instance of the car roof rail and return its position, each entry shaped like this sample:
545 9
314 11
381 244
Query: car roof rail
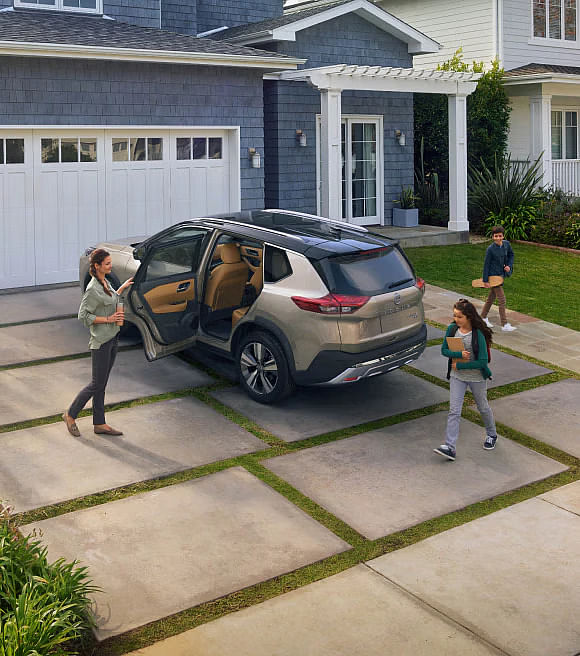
351 226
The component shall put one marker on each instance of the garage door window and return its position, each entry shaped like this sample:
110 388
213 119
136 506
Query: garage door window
11 151
199 148
69 149
137 149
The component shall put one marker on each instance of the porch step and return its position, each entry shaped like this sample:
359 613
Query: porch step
422 235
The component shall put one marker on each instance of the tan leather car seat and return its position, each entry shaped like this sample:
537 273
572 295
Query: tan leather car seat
238 314
227 281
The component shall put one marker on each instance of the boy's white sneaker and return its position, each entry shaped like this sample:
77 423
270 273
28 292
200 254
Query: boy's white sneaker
488 322
508 328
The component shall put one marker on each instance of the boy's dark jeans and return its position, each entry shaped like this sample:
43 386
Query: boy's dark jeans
493 293
103 360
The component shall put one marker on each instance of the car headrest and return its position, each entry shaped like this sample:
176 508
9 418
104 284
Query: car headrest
230 254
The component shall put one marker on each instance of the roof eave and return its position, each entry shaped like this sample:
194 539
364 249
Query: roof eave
544 78
23 48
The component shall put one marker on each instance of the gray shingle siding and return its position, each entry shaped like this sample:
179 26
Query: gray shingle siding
179 16
217 13
58 92
144 13
291 180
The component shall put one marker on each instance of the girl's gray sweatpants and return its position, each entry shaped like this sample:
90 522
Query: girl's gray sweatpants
479 391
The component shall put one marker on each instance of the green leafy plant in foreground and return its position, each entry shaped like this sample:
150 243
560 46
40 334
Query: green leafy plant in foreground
44 607
518 223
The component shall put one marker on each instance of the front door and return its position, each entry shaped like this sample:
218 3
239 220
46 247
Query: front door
165 292
361 188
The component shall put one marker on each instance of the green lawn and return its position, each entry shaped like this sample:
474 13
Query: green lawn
545 283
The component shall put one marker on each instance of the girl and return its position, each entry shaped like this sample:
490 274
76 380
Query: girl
476 336
98 311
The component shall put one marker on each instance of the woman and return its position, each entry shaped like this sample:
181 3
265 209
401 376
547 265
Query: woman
476 337
99 313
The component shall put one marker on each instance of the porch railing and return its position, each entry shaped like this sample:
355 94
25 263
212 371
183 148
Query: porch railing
566 175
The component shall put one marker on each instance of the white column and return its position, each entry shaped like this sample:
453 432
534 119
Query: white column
330 151
458 163
540 137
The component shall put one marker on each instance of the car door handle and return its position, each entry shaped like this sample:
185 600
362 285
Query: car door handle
183 287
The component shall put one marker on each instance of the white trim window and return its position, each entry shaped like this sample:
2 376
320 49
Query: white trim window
565 134
555 19
79 6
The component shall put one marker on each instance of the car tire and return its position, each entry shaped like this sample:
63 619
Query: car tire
263 368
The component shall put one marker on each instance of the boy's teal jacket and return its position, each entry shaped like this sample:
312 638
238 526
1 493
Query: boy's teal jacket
480 363
496 257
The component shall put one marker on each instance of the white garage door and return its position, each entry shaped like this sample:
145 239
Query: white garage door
62 190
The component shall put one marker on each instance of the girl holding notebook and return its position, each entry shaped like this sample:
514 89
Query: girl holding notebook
466 345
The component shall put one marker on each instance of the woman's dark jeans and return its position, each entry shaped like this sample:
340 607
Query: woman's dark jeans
103 360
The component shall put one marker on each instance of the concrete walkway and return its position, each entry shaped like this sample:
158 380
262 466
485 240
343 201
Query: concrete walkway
533 337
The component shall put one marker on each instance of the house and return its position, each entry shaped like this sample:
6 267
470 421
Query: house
538 44
120 117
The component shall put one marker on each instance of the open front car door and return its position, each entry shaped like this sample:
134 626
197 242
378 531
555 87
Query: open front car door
164 297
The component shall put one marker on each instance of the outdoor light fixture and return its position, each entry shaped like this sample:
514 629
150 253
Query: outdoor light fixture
400 137
255 159
301 138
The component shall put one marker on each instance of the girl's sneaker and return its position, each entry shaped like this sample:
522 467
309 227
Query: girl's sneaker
446 451
489 443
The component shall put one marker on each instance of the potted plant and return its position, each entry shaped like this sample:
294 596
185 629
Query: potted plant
406 215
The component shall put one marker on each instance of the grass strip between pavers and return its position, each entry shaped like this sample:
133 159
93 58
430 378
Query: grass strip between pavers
362 548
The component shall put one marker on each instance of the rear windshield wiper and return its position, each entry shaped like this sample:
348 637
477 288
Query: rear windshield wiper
399 282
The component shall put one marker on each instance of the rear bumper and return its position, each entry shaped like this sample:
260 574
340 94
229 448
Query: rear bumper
338 367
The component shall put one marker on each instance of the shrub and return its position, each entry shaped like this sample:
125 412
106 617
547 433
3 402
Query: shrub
407 198
44 608
558 220
518 223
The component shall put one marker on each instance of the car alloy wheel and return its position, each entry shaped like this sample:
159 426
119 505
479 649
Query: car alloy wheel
259 368
263 368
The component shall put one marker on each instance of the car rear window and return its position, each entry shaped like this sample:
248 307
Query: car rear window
368 273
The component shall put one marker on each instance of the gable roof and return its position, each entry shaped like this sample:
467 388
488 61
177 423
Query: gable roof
284 28
48 33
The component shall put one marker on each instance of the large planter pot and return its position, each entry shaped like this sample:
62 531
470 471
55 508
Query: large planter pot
405 218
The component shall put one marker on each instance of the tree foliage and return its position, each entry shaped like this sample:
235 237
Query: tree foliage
488 112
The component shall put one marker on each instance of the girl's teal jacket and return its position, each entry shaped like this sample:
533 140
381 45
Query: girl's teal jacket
480 363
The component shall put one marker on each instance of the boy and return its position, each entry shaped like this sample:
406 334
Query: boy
499 261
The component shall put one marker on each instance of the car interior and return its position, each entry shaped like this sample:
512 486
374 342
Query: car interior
234 281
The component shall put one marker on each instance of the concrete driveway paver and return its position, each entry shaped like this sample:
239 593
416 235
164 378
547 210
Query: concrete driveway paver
505 368
390 479
513 577
550 413
39 305
354 613
157 553
45 340
315 410
45 465
434 333
47 389
566 497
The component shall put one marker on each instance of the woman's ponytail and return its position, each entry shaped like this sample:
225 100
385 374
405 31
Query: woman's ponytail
97 257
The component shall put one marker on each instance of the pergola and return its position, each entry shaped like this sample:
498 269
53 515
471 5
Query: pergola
331 81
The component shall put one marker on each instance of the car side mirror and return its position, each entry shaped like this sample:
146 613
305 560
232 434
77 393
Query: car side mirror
138 253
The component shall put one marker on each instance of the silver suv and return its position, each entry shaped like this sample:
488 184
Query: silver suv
292 299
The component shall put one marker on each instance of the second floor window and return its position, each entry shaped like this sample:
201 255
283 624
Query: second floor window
83 6
554 19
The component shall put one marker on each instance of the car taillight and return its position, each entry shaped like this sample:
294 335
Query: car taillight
331 303
420 284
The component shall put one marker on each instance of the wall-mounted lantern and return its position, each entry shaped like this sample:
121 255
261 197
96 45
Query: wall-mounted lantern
255 158
301 138
400 137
